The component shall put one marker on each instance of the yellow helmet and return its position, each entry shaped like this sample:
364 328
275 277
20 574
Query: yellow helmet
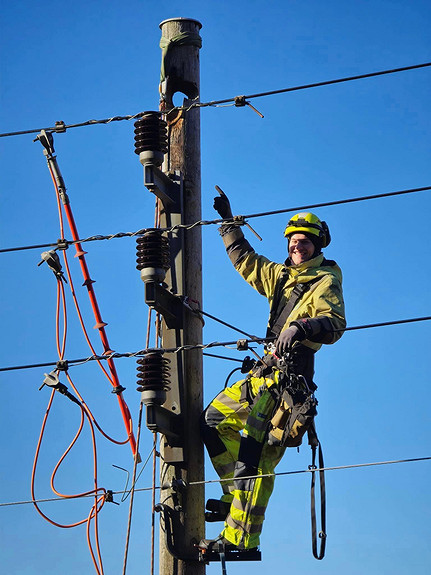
308 223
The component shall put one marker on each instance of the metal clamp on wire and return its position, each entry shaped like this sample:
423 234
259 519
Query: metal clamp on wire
193 306
240 101
60 127
177 485
47 141
62 365
53 261
109 497
62 244
118 389
51 380
242 345
240 221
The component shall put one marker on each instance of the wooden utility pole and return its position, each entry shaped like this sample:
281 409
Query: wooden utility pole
183 464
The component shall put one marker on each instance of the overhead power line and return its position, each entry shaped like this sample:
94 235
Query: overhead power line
218 480
143 352
62 127
61 244
314 85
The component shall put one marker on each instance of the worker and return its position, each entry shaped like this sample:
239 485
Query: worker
235 425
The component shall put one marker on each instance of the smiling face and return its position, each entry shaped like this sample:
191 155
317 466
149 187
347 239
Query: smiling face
301 248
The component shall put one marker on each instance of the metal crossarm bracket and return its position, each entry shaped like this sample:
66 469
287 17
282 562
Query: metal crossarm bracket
161 420
166 303
164 187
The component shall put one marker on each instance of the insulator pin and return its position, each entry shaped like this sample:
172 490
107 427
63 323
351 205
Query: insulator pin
151 138
153 378
152 256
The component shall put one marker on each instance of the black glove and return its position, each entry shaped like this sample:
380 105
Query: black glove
287 338
222 205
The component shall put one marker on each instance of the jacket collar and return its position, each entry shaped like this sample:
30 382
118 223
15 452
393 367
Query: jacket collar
313 263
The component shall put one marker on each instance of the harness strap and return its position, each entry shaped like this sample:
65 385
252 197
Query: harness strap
277 318
315 443
276 324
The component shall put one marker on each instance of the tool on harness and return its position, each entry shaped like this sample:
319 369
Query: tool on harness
294 411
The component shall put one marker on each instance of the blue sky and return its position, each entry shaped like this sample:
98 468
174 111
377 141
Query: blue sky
83 60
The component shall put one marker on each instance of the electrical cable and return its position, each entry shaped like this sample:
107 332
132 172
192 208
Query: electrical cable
333 468
202 346
62 127
98 499
223 357
239 220
313 85
218 480
153 506
63 201
141 407
132 491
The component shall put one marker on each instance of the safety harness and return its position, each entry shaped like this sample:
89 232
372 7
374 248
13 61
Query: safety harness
295 408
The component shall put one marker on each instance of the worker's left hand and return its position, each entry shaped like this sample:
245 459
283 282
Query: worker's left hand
287 338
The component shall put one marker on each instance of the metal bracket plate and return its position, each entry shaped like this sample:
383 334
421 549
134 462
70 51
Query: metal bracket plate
165 422
166 303
167 190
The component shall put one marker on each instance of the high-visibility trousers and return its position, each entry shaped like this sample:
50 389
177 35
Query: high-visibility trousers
234 428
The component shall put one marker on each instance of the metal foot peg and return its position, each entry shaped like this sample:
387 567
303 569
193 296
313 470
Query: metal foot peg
221 550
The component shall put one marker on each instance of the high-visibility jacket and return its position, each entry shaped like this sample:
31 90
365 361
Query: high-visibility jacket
324 299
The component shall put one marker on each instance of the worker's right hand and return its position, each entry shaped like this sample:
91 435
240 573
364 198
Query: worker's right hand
287 338
222 205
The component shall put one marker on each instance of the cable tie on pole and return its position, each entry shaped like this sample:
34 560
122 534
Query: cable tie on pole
118 389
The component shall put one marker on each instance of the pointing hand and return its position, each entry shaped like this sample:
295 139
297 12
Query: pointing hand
222 205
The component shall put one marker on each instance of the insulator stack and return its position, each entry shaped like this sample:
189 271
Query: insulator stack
153 256
153 378
151 138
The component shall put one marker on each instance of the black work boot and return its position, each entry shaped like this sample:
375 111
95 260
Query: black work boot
217 545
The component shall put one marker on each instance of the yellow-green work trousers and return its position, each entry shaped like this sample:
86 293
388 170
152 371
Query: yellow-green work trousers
234 429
